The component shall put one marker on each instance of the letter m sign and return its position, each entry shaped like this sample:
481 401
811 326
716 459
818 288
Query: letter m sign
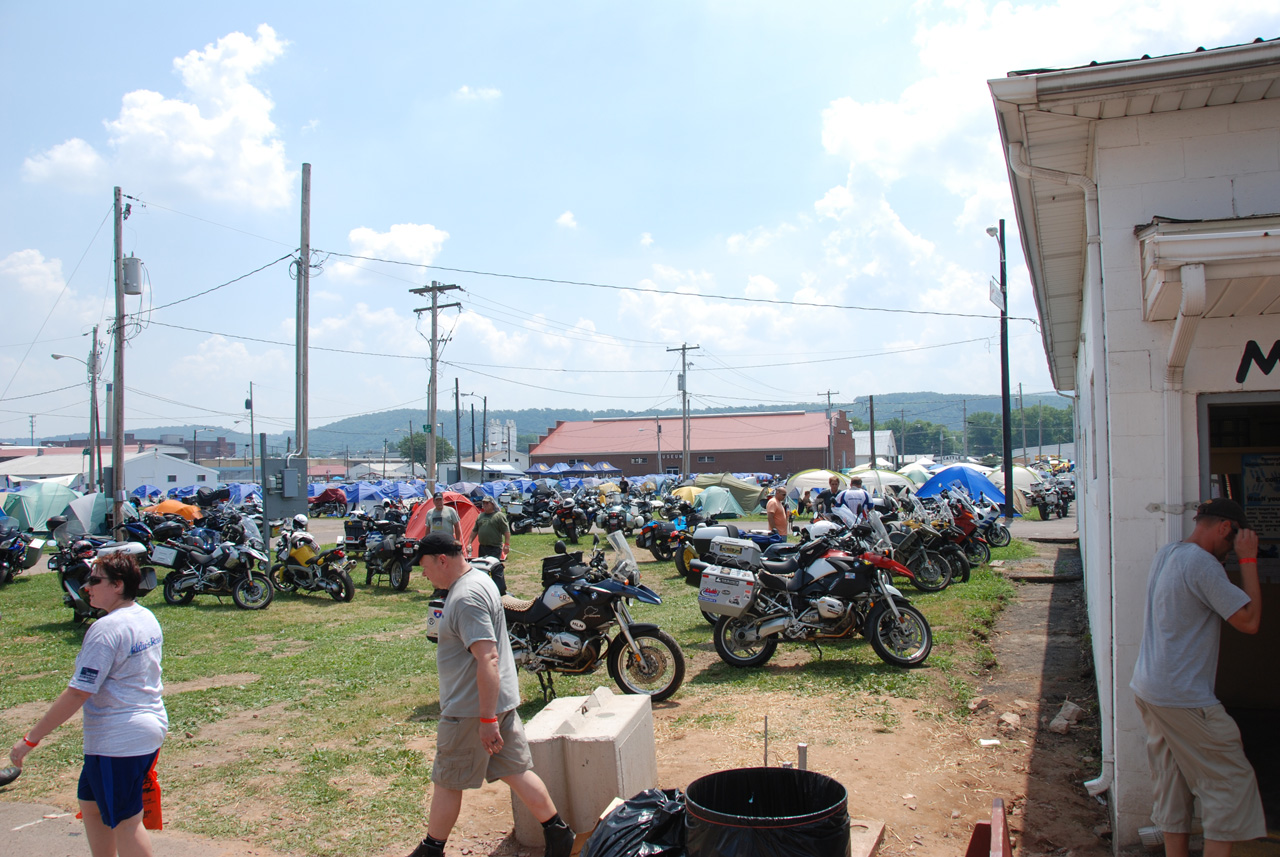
1253 354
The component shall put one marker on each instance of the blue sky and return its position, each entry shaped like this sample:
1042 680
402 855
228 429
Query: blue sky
804 153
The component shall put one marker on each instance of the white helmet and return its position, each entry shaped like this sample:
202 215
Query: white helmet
387 503
299 522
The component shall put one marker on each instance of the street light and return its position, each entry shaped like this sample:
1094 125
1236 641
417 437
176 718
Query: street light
95 449
194 449
1006 417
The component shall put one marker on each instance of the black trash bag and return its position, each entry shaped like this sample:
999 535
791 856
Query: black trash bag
651 824
766 812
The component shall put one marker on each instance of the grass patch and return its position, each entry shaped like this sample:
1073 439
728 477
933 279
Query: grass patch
338 718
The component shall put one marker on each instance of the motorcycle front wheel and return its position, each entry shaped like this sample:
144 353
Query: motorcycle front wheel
657 672
977 552
736 649
999 536
173 595
347 590
253 592
281 579
932 571
903 642
685 554
661 550
571 533
954 554
399 575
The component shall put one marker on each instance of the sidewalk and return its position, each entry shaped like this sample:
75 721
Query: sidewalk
1057 530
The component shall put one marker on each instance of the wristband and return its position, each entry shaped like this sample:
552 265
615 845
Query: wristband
488 720
29 742
1253 560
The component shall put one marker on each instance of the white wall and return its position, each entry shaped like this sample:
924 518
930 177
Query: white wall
1211 163
155 469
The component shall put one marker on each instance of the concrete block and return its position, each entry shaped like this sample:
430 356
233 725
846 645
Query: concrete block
1256 194
1181 124
1254 116
1115 133
1133 165
1129 373
1120 207
1233 154
1190 199
589 750
1137 414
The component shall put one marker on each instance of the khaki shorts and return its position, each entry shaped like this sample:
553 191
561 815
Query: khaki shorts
462 762
1196 752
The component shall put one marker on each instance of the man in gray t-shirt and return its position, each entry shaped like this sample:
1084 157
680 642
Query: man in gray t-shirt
479 736
1193 745
443 519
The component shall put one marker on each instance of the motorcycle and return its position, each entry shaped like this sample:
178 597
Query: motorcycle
206 562
388 552
301 565
73 563
530 515
820 593
619 514
19 551
567 628
569 520
1048 502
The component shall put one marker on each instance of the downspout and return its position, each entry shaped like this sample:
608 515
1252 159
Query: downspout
1093 239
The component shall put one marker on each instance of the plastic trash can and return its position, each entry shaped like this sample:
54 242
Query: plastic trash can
767 812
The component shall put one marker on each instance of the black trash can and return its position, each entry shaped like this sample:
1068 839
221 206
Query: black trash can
767 812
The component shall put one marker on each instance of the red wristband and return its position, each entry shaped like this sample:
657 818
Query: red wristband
29 742
488 720
1253 560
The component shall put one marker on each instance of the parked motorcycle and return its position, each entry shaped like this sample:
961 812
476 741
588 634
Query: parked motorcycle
821 593
567 628
206 562
569 520
618 514
73 561
525 517
18 550
301 565
388 552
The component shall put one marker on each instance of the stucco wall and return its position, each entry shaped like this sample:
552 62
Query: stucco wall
1211 163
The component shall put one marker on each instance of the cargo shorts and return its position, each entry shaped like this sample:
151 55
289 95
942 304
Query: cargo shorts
463 762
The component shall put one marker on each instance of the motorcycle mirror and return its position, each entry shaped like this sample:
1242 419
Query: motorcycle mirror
560 548
595 541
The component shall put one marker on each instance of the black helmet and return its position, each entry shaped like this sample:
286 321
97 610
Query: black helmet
83 549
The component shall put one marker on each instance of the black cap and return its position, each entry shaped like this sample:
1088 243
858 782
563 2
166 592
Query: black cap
488 499
1221 507
434 544
439 495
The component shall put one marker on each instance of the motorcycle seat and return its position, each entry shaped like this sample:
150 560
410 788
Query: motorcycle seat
517 605
200 558
781 567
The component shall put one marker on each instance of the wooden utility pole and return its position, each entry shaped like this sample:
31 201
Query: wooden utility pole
872 400
684 405
117 376
831 435
302 320
434 290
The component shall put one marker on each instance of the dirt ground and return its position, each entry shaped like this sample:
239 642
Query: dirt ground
926 777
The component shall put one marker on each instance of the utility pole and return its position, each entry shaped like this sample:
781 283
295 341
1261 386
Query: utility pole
457 430
434 290
484 434
1040 431
1006 420
684 350
657 422
117 402
473 438
831 435
32 419
253 461
384 459
902 418
964 426
95 368
1022 418
872 399
302 318
412 452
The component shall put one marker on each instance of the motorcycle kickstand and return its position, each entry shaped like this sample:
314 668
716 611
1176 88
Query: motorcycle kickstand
819 648
547 685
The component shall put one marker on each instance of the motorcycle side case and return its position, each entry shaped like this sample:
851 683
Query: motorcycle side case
726 591
434 611
740 553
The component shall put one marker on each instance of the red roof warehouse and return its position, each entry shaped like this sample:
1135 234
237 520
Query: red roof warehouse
753 442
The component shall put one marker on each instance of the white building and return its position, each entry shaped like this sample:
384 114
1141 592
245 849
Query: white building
150 467
1147 195
886 448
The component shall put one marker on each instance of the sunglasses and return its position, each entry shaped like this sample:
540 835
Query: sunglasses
94 580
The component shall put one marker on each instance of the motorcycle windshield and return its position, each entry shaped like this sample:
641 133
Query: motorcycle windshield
251 532
8 527
626 564
67 533
873 518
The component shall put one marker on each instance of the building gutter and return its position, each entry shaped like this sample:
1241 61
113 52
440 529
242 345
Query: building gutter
1093 267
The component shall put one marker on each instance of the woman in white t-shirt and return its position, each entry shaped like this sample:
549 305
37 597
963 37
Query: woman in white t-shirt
117 682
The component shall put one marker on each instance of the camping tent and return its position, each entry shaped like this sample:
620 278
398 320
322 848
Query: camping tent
918 471
242 491
43 500
146 491
879 481
718 501
19 507
748 494
467 514
688 493
175 507
1022 477
807 481
91 511
970 480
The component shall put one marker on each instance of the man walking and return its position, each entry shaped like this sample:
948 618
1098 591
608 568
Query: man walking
480 736
444 519
776 510
1193 745
491 530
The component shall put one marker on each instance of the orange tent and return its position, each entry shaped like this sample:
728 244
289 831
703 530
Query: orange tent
175 507
467 514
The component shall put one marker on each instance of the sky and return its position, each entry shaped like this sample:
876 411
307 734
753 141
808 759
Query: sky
604 182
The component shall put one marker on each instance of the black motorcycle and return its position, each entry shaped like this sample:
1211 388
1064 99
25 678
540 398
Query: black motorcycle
387 551
206 562
18 550
569 520
73 563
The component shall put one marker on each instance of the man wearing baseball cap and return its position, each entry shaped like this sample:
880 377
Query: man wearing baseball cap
491 530
443 519
1193 745
479 736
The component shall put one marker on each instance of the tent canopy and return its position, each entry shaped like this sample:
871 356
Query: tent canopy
970 480
688 493
748 495
44 500
812 480
147 491
878 481
604 468
467 514
175 507
718 501
91 511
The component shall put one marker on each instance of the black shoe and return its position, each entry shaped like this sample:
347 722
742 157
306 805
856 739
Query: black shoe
559 840
427 849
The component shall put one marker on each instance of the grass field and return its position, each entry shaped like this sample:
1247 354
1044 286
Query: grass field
287 723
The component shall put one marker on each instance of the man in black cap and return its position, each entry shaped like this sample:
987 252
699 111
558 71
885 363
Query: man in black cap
479 736
443 519
1193 745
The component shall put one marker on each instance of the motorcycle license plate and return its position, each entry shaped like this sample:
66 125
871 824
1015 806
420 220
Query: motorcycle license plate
164 555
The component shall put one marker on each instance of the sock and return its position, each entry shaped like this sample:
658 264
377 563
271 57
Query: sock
433 842
553 822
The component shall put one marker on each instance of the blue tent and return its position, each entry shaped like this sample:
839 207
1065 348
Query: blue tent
361 492
604 468
406 491
973 482
538 469
147 491
242 491
179 493
524 486
558 467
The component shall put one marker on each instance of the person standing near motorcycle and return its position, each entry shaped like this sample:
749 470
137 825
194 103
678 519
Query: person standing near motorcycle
624 486
776 510
491 530
1193 745
855 498
480 736
117 682
444 519
825 503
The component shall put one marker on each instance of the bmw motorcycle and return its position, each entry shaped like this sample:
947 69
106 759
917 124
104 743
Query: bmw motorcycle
73 561
387 551
208 562
301 565
18 550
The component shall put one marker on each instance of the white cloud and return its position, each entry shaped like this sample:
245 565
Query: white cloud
479 93
73 163
646 239
33 273
419 243
220 142
834 203
311 126
567 220
757 239
759 286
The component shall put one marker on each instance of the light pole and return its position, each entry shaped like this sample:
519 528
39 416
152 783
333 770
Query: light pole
95 448
195 450
1006 417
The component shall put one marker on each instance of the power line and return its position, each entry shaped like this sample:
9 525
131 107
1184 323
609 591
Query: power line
45 393
215 288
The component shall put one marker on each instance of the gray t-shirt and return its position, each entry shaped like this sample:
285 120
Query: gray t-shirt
1188 596
473 612
119 663
442 520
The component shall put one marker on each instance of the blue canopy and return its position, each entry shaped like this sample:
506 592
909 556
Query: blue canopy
604 467
524 486
147 491
242 491
406 490
538 469
973 482
179 493
362 492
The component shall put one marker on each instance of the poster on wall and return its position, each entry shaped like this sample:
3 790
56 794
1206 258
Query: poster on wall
1261 484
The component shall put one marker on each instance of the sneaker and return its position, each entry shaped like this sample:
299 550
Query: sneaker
426 849
559 840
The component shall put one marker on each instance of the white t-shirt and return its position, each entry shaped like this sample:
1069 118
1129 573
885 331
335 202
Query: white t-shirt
119 664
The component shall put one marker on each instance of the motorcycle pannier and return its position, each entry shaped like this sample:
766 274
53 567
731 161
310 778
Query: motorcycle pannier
726 591
561 568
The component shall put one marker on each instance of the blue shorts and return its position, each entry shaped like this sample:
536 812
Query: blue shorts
114 783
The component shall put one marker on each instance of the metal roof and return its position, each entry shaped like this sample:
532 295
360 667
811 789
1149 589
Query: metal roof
720 433
1051 116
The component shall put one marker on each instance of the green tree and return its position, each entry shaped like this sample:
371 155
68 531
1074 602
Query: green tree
444 449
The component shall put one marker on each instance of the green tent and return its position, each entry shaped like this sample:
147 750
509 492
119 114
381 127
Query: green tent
44 499
748 494
717 502
18 506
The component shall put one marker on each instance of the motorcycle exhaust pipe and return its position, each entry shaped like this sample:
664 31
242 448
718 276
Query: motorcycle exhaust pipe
773 626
